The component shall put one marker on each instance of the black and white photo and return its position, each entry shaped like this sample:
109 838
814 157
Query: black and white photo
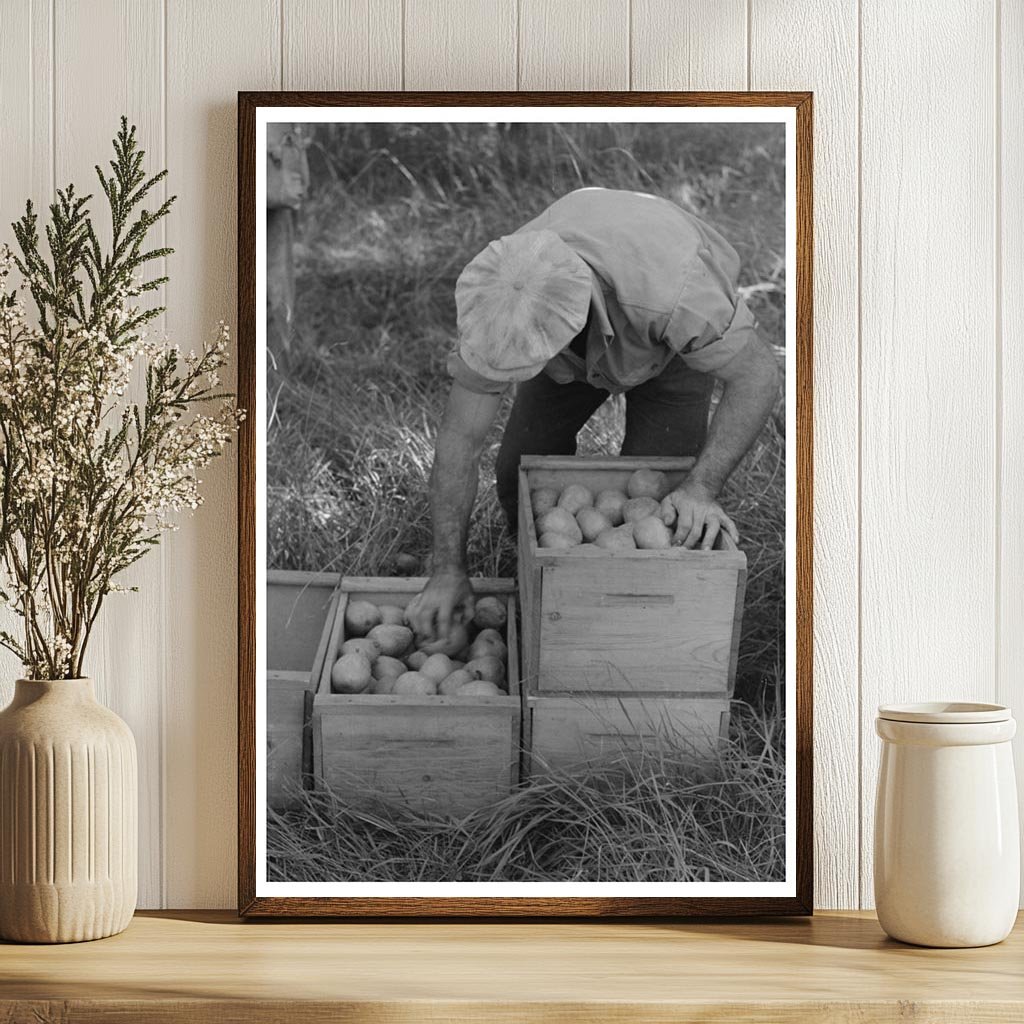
526 504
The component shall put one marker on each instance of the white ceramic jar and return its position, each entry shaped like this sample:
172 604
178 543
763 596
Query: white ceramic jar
947 847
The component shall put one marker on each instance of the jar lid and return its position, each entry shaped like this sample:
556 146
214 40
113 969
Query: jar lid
945 713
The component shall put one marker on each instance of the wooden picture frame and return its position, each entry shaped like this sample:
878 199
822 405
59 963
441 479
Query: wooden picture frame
250 903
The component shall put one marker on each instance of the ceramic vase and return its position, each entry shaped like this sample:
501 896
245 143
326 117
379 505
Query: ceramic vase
68 815
947 848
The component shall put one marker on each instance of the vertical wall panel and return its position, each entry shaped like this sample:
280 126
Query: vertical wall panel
26 101
213 51
1011 376
699 44
928 516
26 170
829 68
342 44
574 44
125 653
470 44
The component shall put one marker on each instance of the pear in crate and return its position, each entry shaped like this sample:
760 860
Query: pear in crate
416 659
361 617
382 686
450 644
386 667
488 641
479 688
455 681
651 533
362 645
436 668
592 523
620 538
490 613
413 684
351 673
647 483
575 497
486 667
639 508
392 615
558 541
543 499
610 503
394 641
560 520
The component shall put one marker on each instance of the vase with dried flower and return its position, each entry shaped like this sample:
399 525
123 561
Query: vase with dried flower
103 430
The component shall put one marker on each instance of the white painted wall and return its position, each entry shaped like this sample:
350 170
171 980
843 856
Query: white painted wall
919 475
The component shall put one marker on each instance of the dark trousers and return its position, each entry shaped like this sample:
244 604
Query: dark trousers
667 415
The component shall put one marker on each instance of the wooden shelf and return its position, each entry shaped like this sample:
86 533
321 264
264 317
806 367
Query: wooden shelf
210 967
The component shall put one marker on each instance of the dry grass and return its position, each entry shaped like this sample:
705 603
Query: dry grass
660 818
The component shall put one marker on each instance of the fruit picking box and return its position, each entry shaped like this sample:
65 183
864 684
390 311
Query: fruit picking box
565 731
625 646
624 622
447 754
299 607
569 730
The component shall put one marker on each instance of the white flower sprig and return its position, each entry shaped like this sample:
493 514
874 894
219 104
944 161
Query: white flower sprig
88 477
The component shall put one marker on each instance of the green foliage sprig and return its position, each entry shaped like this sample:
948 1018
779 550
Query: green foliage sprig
89 477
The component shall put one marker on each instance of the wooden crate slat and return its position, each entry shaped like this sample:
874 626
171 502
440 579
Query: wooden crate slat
571 731
446 755
300 609
286 693
529 586
298 605
625 621
638 629
447 759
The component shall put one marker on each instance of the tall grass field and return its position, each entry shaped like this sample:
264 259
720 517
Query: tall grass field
396 212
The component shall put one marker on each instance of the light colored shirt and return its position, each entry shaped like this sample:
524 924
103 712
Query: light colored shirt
664 284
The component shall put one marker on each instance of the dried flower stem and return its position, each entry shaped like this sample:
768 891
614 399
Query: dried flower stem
88 478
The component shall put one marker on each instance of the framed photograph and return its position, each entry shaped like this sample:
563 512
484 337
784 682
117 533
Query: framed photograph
525 504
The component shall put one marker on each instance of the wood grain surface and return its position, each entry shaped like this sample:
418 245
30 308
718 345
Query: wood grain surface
832 73
229 45
1009 258
468 45
122 653
701 44
341 44
208 967
921 398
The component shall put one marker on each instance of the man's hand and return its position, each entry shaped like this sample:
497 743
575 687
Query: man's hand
444 603
696 515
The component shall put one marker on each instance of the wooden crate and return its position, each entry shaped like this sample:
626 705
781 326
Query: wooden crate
446 755
625 622
563 732
300 609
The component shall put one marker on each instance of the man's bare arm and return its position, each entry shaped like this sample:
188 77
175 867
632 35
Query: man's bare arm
447 598
751 381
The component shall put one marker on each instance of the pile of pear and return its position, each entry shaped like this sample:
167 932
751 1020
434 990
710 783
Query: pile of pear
382 656
576 519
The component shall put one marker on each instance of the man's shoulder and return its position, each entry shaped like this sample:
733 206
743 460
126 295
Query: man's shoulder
601 202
